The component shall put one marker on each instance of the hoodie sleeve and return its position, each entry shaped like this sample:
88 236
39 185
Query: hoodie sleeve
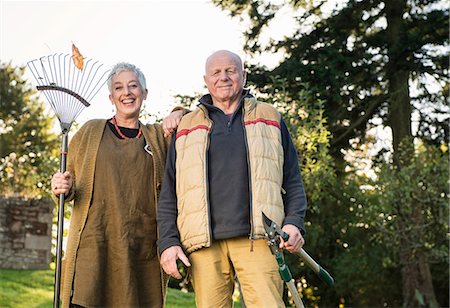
168 234
294 199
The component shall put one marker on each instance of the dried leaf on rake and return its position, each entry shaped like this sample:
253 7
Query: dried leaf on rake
77 57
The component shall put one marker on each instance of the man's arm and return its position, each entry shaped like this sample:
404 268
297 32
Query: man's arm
168 236
294 198
167 205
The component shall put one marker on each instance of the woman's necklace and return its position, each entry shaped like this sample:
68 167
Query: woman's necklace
113 121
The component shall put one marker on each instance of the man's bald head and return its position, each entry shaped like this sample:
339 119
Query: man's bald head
224 53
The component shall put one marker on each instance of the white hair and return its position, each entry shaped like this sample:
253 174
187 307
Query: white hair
126 67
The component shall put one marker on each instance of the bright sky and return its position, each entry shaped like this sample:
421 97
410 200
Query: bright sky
169 40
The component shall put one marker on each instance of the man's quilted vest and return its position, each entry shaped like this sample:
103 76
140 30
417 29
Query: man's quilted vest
265 152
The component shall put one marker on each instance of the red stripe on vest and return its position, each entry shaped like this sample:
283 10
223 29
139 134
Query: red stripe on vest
184 132
265 121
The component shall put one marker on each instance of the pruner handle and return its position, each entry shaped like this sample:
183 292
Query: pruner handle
284 236
319 270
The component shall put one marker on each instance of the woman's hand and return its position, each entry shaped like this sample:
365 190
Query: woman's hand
61 183
170 123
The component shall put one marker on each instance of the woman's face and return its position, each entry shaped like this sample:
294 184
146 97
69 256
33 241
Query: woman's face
127 94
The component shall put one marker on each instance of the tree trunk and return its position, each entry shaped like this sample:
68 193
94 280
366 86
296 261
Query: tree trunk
417 283
398 76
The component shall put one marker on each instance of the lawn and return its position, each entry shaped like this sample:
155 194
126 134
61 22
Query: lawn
28 288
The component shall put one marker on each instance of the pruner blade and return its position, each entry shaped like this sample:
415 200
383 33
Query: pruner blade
274 232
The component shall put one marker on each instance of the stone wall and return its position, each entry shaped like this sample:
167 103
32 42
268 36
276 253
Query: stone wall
25 233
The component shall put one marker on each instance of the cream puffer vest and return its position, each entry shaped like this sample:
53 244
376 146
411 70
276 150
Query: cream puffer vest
265 153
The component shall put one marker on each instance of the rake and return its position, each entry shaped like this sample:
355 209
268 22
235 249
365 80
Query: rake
69 82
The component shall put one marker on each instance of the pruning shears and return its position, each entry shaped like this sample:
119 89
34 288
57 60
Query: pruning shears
275 234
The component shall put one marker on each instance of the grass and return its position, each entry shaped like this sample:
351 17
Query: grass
23 288
34 289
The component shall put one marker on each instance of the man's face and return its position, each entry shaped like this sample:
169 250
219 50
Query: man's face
224 77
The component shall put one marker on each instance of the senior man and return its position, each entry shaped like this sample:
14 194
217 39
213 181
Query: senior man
231 158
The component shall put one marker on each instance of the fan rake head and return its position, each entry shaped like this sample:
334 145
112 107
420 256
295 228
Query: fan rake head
68 87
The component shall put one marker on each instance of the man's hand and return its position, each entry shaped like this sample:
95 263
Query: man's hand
296 240
61 183
169 259
170 123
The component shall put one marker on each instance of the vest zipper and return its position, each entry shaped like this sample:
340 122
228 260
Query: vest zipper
207 179
252 225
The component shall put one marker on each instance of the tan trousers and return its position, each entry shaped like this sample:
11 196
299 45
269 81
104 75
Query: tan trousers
213 271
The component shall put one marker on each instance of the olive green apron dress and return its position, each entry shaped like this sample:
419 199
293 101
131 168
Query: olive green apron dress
117 264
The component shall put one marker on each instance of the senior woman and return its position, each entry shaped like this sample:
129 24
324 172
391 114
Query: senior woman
115 169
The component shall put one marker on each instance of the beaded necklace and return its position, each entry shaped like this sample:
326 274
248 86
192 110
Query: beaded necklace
113 121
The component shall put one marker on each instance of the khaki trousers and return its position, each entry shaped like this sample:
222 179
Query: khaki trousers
213 271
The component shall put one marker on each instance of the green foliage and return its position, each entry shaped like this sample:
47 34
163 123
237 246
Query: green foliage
371 222
28 147
423 182
365 272
402 213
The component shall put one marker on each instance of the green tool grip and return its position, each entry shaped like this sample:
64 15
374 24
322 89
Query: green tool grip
285 273
319 270
285 236
325 276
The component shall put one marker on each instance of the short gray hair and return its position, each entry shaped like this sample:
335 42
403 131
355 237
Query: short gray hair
126 67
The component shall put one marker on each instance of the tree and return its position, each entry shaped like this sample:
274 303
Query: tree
28 147
359 59
371 62
411 233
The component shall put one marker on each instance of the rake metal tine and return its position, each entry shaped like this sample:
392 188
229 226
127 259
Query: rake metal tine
61 84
